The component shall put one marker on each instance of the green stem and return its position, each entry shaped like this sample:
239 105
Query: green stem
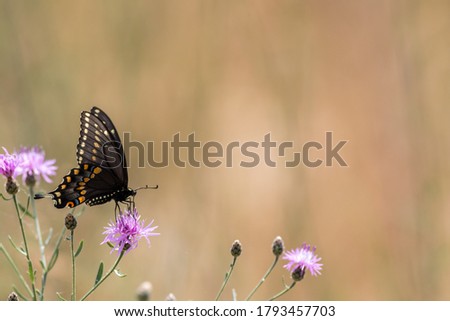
16 269
227 277
38 227
41 243
72 254
287 288
96 285
47 269
27 252
263 278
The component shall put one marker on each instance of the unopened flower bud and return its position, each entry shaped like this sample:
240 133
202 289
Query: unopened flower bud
144 291
13 297
298 274
277 246
70 222
11 186
236 248
171 297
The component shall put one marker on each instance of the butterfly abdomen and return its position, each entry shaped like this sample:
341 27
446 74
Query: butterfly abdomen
120 195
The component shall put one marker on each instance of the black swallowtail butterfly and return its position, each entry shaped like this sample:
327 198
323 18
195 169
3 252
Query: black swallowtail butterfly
102 174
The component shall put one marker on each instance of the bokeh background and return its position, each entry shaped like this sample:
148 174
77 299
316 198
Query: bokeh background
375 73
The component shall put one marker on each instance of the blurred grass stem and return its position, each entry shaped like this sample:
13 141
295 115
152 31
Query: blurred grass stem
227 277
263 278
27 253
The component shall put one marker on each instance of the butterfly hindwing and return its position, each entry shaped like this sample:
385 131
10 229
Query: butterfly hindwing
72 190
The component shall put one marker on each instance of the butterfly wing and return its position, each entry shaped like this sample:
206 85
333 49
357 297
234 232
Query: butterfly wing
88 183
102 173
99 144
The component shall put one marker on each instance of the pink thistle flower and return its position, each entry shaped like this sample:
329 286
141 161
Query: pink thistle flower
303 258
127 230
35 164
9 164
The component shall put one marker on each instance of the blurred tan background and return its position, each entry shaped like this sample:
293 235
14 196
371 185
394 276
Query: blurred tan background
375 73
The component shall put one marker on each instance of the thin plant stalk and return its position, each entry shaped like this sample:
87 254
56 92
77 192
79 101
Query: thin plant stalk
27 253
227 277
72 254
97 284
41 243
16 269
263 278
287 288
47 269
38 227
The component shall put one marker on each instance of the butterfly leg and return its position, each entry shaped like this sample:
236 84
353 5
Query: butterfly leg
130 204
117 207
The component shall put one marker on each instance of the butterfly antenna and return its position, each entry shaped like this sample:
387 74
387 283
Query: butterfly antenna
148 187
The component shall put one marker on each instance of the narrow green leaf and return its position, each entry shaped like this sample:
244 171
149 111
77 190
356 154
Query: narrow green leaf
50 234
119 274
99 273
19 249
80 247
25 210
110 244
31 273
19 293
60 296
80 212
52 262
42 265
5 198
28 202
